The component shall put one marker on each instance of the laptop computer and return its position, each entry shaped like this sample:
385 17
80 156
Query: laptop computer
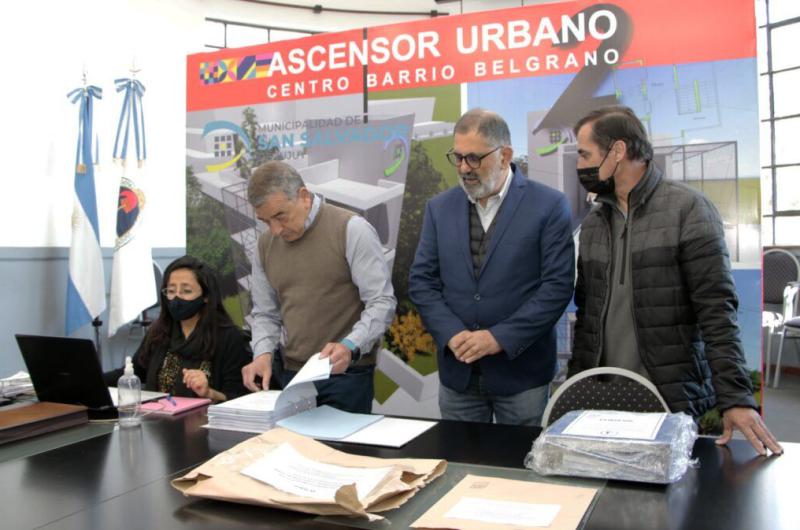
67 370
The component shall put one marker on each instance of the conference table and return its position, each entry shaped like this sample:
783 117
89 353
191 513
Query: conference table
106 477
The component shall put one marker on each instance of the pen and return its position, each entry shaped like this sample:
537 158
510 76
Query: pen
172 401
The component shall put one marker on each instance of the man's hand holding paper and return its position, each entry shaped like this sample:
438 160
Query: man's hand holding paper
316 368
339 356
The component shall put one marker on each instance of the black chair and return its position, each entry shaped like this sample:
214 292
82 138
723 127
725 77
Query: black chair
145 318
604 388
781 273
790 328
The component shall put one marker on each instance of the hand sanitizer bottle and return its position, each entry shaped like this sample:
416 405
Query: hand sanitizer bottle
130 396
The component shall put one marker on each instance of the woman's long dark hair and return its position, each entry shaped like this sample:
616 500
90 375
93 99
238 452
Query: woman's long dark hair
212 314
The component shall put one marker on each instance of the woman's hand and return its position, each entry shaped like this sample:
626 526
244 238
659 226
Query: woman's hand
197 382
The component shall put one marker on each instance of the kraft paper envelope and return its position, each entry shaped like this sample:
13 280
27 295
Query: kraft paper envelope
220 478
572 501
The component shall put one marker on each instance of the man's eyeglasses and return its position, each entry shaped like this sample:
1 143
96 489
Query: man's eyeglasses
186 294
472 160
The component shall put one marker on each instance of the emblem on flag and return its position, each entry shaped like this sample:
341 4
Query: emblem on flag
129 211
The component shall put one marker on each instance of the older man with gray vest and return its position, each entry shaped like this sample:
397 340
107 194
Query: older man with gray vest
319 284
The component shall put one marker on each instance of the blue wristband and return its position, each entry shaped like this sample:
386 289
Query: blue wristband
355 352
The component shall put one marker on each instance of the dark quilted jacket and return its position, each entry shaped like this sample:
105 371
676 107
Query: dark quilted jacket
684 297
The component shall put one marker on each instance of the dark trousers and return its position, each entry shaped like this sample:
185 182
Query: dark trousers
351 391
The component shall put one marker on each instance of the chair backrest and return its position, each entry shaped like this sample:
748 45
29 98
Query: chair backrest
594 390
144 319
780 267
158 274
790 305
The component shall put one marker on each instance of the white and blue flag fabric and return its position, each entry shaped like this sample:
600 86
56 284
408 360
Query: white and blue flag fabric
133 287
86 288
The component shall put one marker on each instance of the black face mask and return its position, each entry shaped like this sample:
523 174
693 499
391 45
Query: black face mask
181 309
590 178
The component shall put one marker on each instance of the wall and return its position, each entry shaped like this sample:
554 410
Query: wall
33 284
55 42
105 37
51 43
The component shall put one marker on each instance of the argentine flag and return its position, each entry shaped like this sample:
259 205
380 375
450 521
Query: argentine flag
86 293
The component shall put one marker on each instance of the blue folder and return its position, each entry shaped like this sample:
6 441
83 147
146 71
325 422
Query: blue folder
328 423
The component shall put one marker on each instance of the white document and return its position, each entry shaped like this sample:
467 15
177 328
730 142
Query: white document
616 424
16 384
262 401
315 369
519 514
390 432
147 395
287 470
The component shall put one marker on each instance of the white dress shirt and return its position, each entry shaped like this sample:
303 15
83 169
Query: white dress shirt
487 213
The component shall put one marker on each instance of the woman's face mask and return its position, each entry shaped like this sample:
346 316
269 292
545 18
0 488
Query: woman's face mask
181 309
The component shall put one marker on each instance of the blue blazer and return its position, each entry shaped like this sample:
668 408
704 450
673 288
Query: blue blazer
522 289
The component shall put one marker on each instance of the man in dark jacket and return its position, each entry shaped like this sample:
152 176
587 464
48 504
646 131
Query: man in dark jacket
655 293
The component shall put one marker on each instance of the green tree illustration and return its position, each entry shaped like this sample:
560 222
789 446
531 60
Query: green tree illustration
207 236
257 156
423 181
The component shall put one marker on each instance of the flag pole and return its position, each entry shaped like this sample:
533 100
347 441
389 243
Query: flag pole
96 323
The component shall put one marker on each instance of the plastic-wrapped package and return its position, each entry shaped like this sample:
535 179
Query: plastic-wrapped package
641 447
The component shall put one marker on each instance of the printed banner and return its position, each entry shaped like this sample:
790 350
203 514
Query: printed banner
533 41
367 115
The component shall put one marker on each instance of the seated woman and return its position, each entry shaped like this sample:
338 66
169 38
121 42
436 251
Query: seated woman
193 348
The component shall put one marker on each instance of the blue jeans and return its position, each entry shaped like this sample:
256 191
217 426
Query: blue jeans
478 405
351 391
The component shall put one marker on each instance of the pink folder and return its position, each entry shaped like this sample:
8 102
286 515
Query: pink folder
182 404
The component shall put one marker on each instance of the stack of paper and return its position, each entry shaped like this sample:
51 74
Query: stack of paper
258 412
643 447
19 383
295 409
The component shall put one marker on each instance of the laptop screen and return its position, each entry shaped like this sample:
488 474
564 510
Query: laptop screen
65 370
